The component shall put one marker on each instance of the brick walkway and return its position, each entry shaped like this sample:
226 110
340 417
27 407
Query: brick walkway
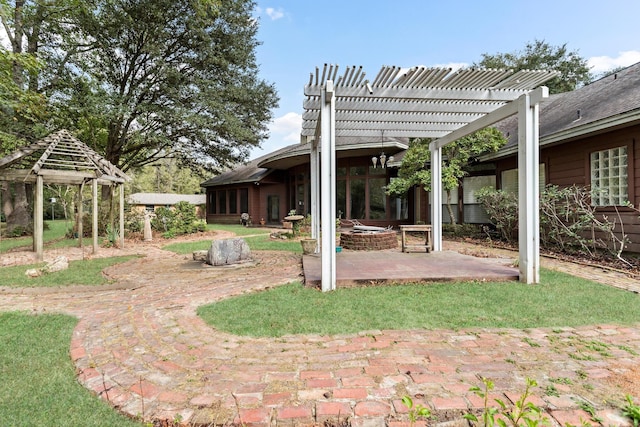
141 346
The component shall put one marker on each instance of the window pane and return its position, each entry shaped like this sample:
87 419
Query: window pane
212 202
222 201
609 177
377 170
377 199
356 186
233 201
341 198
358 170
244 200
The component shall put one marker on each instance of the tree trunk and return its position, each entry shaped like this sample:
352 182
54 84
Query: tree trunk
20 216
452 218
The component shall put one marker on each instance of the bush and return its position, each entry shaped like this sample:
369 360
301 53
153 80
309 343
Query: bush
568 221
181 219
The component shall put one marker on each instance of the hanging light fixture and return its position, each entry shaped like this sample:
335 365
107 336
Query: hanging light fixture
384 161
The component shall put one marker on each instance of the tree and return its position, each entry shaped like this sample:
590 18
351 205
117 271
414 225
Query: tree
457 157
574 71
169 79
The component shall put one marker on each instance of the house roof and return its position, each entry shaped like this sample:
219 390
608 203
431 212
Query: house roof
165 199
606 104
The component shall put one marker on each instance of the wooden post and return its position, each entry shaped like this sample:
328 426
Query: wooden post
38 220
121 187
94 231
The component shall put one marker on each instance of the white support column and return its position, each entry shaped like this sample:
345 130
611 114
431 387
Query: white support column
38 220
121 225
436 196
314 161
327 182
94 231
528 190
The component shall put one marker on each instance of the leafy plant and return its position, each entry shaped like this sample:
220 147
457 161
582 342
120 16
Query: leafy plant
522 413
632 411
416 412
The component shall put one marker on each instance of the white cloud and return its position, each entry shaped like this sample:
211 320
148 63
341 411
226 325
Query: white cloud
287 128
274 14
600 64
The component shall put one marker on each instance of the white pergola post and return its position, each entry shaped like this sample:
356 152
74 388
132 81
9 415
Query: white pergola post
315 192
38 220
528 189
436 196
328 184
94 231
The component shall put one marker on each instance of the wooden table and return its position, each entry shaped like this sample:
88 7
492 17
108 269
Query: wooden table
426 229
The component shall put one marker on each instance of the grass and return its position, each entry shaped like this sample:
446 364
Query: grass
85 272
38 386
560 300
55 231
256 243
238 229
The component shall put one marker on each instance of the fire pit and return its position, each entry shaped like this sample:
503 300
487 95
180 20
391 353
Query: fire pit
369 239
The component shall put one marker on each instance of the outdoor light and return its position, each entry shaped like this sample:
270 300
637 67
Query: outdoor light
383 157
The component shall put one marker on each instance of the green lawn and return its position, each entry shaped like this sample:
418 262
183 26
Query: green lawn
560 300
256 243
238 229
54 232
82 272
39 386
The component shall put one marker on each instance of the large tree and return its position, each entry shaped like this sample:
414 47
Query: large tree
456 159
166 78
574 71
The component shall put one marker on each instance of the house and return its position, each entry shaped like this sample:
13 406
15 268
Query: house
149 202
270 187
589 137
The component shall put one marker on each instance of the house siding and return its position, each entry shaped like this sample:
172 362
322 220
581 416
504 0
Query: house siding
569 164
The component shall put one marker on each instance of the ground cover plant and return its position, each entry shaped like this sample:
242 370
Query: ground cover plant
38 386
81 272
559 300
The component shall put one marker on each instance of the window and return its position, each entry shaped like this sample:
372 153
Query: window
377 198
244 200
149 208
609 185
474 213
510 180
222 201
212 202
233 201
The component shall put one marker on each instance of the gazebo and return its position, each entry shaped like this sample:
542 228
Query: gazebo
421 102
60 158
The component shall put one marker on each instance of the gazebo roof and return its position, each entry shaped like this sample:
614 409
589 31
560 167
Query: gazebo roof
59 158
416 102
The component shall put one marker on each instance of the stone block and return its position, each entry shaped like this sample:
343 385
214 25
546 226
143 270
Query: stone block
228 251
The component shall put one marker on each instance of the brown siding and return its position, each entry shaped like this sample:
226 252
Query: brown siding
568 164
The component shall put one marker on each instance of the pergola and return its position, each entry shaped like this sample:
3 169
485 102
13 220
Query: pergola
60 158
421 102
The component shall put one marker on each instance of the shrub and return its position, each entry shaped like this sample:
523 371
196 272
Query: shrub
502 209
181 219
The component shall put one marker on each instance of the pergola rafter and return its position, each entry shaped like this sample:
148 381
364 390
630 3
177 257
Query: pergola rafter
419 102
60 158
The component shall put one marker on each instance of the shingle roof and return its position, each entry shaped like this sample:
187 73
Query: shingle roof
614 96
165 199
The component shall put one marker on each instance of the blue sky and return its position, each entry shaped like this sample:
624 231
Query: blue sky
298 35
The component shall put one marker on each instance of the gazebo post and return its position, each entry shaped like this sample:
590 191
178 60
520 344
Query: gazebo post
79 222
38 220
94 231
121 225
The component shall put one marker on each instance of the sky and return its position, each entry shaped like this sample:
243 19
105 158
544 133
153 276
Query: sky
297 36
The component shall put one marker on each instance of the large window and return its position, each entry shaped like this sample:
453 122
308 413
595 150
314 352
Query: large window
233 201
510 179
609 185
222 201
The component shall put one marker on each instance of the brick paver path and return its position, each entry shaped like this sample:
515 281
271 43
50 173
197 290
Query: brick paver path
141 346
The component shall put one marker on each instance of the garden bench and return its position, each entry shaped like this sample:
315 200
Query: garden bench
426 229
